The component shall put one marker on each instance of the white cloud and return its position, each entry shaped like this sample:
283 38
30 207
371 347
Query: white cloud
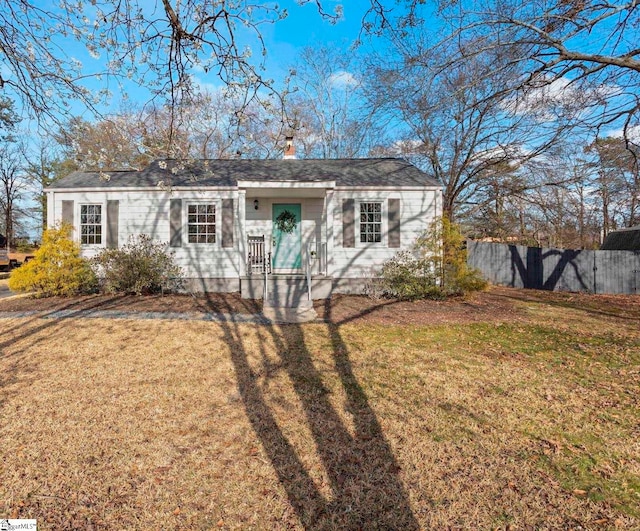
342 80
549 95
206 87
512 153
633 133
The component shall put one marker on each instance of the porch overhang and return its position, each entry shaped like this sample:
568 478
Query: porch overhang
261 188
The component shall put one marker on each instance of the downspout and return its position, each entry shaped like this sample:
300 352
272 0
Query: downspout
308 272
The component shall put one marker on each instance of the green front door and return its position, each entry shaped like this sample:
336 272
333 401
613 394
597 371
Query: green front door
287 236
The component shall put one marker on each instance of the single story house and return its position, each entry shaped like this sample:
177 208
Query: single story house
622 240
231 223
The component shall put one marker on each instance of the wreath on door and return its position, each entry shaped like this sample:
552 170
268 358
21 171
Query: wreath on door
286 222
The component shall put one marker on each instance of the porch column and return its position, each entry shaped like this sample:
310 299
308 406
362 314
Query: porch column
51 213
329 229
242 231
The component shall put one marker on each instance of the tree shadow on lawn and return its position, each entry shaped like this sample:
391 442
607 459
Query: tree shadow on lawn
167 302
31 326
74 307
363 473
361 468
598 305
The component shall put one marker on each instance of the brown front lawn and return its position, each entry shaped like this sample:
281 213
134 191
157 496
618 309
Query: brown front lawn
511 410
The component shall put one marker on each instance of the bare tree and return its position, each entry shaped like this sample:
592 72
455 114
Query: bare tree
454 123
13 188
617 181
157 44
113 143
585 50
326 106
210 126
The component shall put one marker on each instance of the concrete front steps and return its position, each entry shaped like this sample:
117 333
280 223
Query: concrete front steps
281 314
286 290
287 298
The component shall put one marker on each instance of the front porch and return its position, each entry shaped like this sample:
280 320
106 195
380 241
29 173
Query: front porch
286 267
285 289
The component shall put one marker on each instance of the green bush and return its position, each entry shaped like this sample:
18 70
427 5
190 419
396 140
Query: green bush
407 277
57 269
444 245
436 267
142 266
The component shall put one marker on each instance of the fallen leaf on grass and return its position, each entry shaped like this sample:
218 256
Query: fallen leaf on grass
579 492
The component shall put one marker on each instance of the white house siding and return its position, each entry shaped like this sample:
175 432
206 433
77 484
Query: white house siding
259 222
147 212
418 208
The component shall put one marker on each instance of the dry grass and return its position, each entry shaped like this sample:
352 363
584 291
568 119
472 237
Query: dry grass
531 422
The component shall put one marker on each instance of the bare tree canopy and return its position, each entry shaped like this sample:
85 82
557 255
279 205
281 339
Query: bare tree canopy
564 48
156 44
459 121
13 187
210 126
326 106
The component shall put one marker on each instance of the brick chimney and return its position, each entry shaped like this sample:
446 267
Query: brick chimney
289 149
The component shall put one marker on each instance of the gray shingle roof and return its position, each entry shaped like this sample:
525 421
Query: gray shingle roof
622 240
226 173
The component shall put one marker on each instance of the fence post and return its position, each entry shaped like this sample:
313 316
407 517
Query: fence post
595 272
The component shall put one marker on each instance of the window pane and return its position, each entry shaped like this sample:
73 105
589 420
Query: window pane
91 224
201 223
371 222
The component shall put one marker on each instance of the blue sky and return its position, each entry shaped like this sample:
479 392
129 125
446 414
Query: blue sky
303 27
284 39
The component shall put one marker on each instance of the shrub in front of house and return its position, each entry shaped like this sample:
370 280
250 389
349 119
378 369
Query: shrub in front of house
142 266
57 269
408 277
445 244
435 268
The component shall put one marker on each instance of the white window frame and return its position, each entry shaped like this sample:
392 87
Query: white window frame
101 225
216 222
359 242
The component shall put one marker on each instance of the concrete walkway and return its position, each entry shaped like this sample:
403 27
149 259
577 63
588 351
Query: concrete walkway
269 316
123 314
280 314
4 286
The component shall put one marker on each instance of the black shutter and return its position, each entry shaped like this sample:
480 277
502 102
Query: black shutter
113 211
393 207
175 223
348 225
67 212
227 223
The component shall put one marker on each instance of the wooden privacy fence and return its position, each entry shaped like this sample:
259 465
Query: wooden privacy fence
556 269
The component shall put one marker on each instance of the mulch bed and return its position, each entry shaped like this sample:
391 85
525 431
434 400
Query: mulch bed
495 304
